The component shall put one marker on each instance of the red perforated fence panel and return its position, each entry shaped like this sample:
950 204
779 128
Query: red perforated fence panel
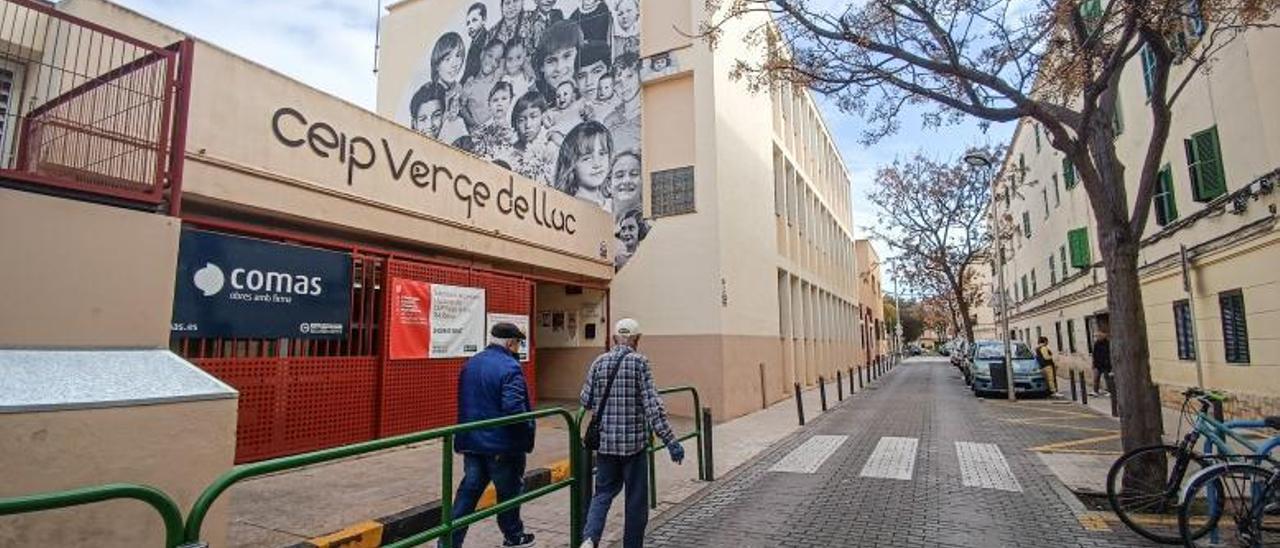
303 395
422 393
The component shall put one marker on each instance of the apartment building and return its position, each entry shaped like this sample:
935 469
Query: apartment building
1215 200
744 280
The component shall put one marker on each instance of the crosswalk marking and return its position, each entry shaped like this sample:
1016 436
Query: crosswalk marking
983 465
893 458
809 456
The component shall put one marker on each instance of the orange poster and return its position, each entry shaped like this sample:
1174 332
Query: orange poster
410 315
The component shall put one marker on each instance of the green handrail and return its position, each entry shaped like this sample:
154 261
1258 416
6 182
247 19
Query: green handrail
53 500
697 433
447 524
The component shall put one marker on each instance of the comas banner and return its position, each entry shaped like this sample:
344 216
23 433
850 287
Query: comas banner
435 321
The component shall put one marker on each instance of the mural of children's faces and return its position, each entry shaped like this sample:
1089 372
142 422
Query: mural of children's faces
511 9
566 94
491 60
449 68
429 118
592 166
589 78
516 58
529 123
500 102
558 66
627 16
629 232
604 91
624 182
628 82
474 22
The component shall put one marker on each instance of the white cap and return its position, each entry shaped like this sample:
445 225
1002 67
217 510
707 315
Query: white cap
626 327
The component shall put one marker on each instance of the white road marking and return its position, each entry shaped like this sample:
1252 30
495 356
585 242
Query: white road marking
893 458
809 456
983 465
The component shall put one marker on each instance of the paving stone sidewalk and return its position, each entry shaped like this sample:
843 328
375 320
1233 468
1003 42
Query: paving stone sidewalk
977 477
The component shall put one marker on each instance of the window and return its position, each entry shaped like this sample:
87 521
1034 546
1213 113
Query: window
1044 193
779 184
1184 330
1078 239
1022 167
1034 289
1148 69
1057 194
1025 294
1053 272
1068 173
1062 261
672 191
1091 12
1166 208
1204 162
1015 292
1037 128
1039 334
1057 330
1089 327
1071 336
1026 224
1235 331
1195 18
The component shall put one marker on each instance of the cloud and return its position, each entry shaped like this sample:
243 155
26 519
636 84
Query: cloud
326 44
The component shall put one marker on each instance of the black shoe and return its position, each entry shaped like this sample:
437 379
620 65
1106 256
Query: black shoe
523 540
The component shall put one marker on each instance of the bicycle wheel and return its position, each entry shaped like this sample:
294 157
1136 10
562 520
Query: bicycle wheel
1143 487
1221 505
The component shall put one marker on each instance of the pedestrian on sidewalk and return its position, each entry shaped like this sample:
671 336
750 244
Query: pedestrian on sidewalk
492 385
1044 359
1101 360
619 391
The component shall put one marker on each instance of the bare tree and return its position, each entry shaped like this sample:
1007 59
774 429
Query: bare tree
934 214
1056 62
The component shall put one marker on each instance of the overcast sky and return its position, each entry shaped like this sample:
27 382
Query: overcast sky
329 44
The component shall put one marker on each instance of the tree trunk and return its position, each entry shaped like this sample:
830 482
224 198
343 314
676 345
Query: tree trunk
1137 397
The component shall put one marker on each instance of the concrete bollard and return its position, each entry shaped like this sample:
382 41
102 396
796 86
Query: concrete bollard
1084 389
822 392
707 453
1072 374
839 386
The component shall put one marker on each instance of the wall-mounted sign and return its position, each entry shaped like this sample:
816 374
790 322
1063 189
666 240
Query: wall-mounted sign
519 320
231 286
435 321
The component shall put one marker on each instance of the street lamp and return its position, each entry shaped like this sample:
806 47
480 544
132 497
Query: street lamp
983 161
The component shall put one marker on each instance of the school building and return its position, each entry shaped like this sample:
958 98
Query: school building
746 279
1215 200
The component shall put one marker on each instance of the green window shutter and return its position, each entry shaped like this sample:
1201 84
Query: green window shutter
1235 329
1091 11
1078 240
1053 272
1057 194
1062 261
1034 289
1025 288
1204 162
1068 173
1166 207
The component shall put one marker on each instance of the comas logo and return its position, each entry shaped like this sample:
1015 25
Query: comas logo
209 279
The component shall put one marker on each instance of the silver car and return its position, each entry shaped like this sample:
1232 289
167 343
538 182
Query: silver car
986 356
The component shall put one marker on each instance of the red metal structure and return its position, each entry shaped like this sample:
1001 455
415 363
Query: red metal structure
90 111
300 395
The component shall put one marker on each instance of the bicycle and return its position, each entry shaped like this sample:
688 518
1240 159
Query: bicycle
1152 509
1246 491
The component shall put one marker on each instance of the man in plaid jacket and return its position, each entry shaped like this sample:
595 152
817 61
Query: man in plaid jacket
632 408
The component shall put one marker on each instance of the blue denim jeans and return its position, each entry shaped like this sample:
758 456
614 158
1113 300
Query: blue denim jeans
612 474
507 474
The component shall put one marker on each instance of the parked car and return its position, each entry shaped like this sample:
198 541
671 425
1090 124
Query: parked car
960 353
988 355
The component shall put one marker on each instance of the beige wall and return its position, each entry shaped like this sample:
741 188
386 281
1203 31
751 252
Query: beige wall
1230 250
178 448
84 275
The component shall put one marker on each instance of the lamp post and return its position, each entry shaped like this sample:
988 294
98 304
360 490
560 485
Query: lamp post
981 160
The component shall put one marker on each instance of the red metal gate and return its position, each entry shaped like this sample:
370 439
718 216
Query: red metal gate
301 395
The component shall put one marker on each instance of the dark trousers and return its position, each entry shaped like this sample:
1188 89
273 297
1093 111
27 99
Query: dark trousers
613 473
507 474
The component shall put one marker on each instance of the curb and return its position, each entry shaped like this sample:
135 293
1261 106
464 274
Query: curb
406 523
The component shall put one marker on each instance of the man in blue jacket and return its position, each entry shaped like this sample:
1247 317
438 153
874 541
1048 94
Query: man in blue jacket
492 385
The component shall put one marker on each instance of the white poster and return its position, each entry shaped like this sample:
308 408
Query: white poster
457 321
520 321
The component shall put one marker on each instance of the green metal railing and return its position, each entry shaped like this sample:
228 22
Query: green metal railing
447 523
703 469
161 502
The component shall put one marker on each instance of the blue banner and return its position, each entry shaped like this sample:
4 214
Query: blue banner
231 286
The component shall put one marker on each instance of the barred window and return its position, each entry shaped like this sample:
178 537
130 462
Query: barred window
672 191
1183 330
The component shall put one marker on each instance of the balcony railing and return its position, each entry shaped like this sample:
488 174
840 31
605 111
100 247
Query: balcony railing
88 111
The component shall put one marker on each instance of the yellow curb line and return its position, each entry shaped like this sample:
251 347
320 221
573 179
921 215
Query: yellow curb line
559 471
1094 521
1061 447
